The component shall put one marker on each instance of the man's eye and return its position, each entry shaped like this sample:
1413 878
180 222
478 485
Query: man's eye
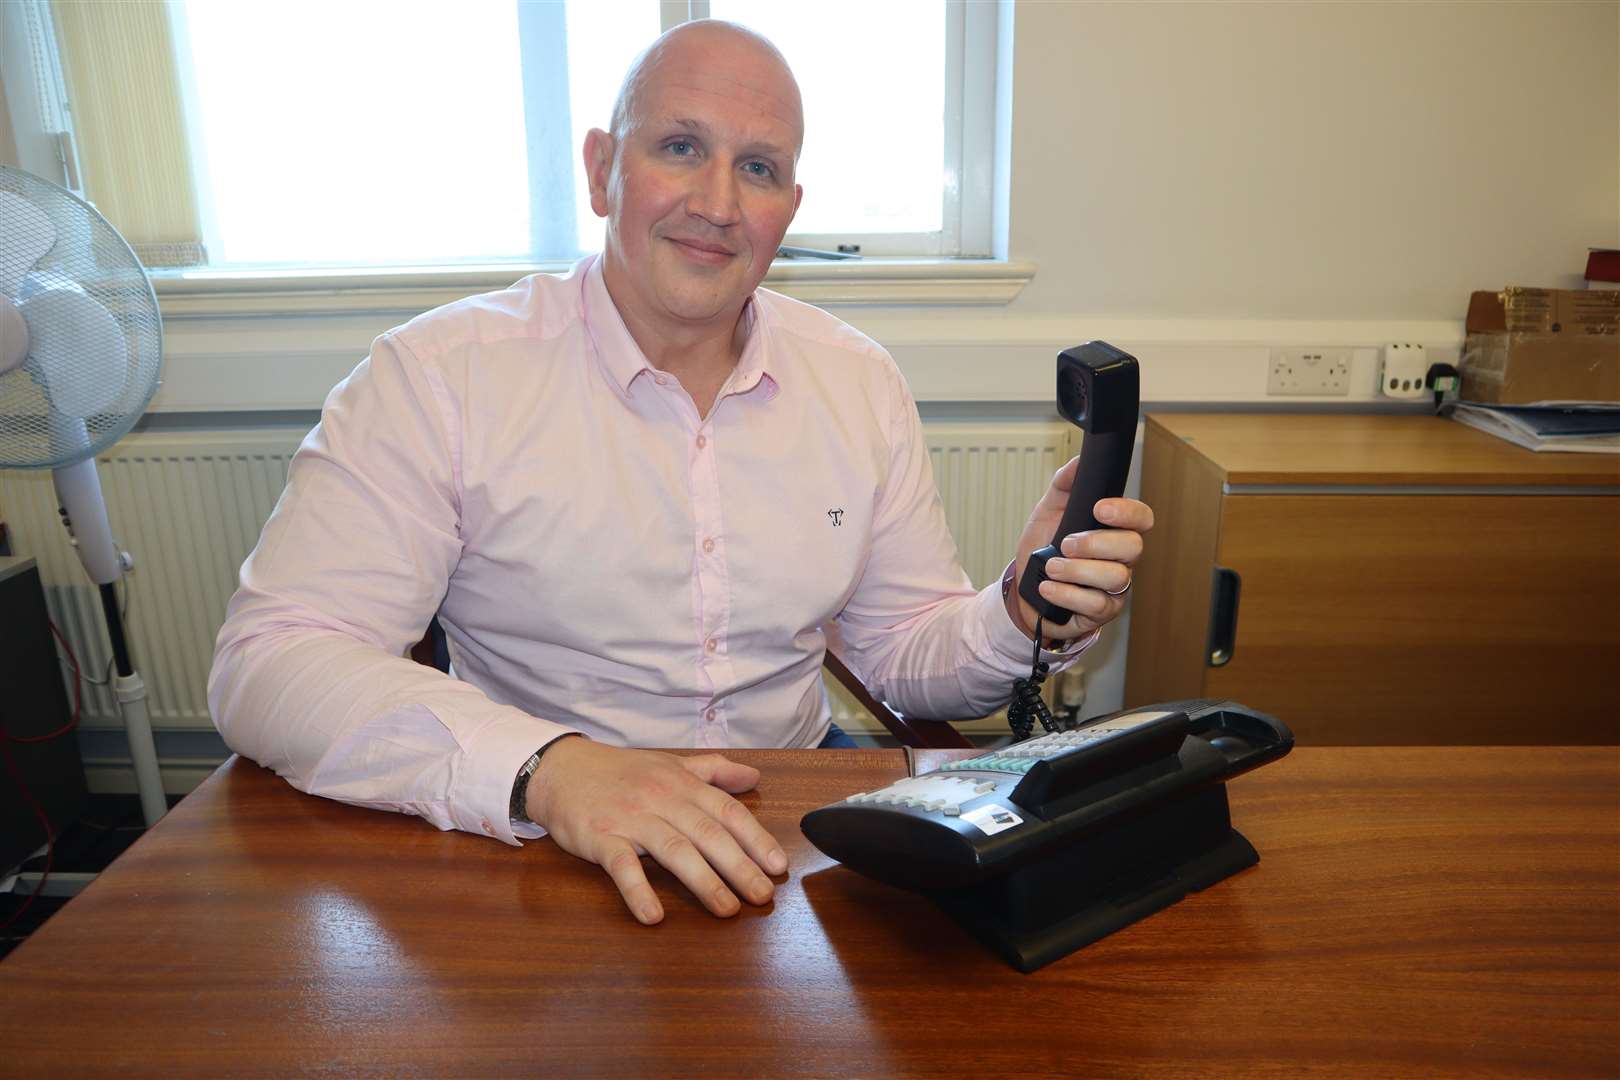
681 148
760 169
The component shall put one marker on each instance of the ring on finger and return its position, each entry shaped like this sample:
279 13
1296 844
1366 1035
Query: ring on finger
1126 589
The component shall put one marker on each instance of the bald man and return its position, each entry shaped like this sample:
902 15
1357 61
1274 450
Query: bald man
635 495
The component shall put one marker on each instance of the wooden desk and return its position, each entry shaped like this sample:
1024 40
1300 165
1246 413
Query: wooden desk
1403 579
1416 911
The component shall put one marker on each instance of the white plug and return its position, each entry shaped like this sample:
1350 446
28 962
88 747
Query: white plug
1405 367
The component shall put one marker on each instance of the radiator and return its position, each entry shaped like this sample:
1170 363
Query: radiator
189 506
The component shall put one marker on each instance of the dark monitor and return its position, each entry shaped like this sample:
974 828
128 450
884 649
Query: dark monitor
33 702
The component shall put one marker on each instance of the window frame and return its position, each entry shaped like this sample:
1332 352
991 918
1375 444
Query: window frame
970 141
958 264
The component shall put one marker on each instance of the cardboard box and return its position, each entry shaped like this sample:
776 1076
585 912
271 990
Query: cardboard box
1528 345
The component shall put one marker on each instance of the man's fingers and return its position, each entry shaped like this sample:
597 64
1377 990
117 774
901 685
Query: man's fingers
1102 574
675 852
618 857
755 839
1124 514
729 776
1113 544
719 838
613 806
723 773
762 849
1090 605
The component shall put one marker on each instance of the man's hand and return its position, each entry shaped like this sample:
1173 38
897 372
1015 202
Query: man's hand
611 806
1094 564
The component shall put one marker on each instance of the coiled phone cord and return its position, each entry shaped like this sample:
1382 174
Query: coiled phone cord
1027 705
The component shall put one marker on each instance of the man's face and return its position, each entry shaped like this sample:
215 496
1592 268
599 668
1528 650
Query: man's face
699 190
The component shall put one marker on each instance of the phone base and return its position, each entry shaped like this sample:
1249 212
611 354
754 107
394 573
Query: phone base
1044 911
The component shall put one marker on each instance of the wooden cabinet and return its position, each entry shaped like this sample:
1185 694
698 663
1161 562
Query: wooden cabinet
1397 579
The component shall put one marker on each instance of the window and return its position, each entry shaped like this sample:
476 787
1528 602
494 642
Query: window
432 132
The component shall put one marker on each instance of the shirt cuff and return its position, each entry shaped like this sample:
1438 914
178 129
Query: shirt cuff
481 798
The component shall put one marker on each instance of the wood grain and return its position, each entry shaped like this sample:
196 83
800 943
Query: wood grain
1375 615
1389 619
1295 448
1417 911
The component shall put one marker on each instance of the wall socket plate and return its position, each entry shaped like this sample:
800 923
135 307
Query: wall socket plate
1309 372
1403 371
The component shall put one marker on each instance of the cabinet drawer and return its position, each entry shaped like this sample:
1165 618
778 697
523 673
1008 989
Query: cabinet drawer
1368 618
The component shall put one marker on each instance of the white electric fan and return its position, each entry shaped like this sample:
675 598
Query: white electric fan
80 350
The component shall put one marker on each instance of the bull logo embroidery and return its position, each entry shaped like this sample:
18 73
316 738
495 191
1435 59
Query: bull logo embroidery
837 517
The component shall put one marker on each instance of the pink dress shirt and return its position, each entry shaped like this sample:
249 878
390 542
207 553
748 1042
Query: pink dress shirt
603 560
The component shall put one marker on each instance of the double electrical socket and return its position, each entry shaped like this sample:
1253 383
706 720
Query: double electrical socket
1309 372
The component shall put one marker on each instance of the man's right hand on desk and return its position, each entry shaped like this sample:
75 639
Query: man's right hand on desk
611 805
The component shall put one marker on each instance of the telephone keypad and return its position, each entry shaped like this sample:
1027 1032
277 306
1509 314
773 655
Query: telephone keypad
934 791
1025 755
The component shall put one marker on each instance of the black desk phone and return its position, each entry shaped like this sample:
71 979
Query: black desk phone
1042 847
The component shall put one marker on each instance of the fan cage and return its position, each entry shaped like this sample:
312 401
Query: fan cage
91 258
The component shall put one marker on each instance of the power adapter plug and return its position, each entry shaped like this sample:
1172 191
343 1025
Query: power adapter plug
1405 369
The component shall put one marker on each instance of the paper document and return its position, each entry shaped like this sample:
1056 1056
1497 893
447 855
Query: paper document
1588 429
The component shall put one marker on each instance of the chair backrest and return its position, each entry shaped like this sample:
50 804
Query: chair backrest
433 651
910 732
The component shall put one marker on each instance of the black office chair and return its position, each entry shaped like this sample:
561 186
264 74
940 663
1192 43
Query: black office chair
433 651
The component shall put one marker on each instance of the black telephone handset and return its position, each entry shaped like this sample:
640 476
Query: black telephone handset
1046 845
1098 389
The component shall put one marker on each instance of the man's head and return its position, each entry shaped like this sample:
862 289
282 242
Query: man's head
696 178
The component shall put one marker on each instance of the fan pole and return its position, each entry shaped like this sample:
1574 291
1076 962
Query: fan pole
131 693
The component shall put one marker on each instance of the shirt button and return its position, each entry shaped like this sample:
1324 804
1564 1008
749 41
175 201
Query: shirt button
660 380
712 645
709 716
488 827
708 544
702 442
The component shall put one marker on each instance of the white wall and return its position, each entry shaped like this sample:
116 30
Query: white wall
1198 182
1310 160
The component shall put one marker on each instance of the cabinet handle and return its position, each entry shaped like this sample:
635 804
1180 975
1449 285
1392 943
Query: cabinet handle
1223 612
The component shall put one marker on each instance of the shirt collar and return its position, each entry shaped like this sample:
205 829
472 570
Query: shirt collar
622 359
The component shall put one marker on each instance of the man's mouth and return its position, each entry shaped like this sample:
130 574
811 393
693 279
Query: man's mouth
702 251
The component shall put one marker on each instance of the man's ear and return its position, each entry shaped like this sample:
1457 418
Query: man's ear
798 197
598 166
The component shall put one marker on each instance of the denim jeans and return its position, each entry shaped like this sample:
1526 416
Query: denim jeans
837 739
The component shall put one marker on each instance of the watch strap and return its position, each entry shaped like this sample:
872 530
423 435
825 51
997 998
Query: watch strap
520 786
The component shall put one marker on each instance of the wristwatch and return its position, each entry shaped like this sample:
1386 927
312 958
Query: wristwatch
520 786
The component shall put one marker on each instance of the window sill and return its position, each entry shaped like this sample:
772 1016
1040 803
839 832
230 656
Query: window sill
409 290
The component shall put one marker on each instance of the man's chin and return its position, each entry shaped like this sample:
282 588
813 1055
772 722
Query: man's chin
702 298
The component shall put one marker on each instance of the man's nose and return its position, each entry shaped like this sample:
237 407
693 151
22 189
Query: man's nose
714 196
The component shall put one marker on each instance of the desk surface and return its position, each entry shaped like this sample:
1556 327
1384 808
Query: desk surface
1416 910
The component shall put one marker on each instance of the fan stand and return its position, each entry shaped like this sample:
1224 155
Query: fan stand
130 691
84 513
